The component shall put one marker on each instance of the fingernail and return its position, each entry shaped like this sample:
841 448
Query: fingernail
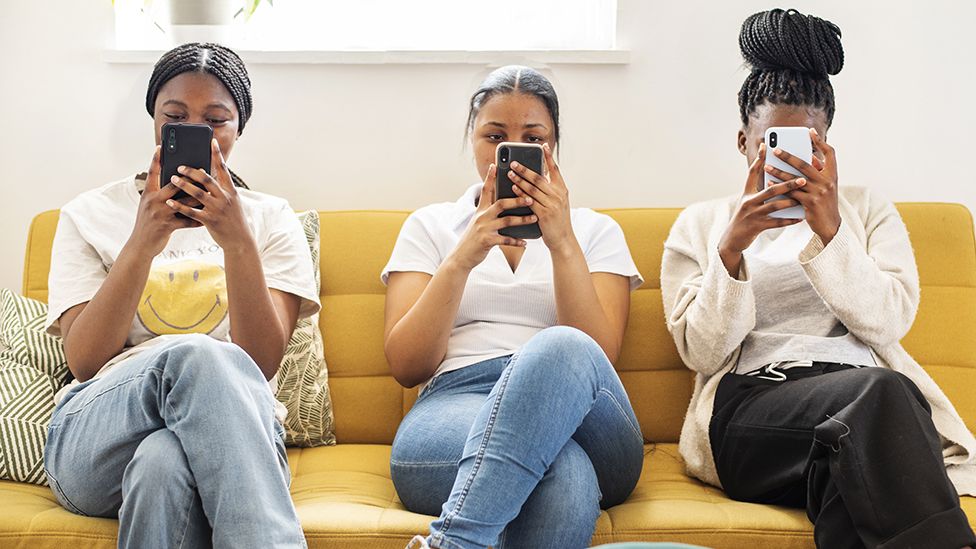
801 182
214 141
174 179
170 203
181 169
815 132
515 164
528 201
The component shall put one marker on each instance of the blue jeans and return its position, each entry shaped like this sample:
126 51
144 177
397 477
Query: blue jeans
520 451
181 444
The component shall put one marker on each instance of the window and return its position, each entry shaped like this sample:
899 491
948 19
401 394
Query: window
382 26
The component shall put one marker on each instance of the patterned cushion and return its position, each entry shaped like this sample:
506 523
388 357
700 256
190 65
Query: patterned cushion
32 369
303 377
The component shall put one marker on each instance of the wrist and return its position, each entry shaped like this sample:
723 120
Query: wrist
138 249
243 246
454 266
566 248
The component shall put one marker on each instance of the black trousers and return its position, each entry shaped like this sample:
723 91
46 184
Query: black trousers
856 447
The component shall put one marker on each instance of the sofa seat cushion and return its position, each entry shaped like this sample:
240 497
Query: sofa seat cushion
345 499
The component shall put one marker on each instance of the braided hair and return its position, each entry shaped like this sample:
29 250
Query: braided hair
515 79
209 58
792 56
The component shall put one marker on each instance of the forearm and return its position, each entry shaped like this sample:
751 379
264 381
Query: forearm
417 343
254 322
708 313
101 329
577 302
875 297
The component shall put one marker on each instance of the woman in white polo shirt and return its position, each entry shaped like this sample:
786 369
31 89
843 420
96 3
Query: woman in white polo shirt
522 430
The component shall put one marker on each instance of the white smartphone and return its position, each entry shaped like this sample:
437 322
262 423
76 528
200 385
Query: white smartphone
796 141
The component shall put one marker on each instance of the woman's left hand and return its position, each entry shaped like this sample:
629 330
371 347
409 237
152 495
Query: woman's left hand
550 199
819 195
220 212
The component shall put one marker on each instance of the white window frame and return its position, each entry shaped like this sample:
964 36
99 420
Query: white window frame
536 28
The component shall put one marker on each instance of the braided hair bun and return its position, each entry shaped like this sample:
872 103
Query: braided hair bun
214 59
791 56
787 39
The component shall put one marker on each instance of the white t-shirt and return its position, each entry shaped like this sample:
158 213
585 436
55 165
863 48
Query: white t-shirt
501 310
794 327
186 292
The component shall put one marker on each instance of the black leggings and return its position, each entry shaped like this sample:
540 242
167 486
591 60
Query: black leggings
856 447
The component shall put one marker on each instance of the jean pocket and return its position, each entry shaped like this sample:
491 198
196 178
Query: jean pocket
61 497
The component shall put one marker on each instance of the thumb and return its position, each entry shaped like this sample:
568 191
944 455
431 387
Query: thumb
488 189
152 180
755 177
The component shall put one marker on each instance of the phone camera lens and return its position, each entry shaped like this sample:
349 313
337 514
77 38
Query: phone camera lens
772 139
503 155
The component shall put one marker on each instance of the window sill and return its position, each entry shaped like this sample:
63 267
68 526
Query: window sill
531 57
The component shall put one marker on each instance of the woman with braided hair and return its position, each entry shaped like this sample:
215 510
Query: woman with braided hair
175 314
803 395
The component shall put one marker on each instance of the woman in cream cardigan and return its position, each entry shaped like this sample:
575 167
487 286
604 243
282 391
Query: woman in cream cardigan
804 396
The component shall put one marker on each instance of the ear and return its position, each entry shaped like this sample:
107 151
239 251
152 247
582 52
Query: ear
741 141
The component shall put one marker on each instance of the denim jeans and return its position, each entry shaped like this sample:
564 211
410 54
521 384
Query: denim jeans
181 444
520 451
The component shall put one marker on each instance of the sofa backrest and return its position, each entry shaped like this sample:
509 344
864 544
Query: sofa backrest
369 404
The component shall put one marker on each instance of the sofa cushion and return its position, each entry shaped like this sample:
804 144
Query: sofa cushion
345 499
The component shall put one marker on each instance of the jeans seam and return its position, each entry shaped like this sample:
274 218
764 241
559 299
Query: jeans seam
623 413
126 381
186 512
60 491
479 457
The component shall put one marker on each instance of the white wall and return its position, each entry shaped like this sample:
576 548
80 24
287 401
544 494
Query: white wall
657 132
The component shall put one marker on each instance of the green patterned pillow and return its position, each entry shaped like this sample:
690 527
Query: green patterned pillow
32 369
303 379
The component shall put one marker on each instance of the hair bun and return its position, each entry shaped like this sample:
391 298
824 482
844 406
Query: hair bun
787 39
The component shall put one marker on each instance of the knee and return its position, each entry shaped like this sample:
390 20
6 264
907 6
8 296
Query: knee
214 360
158 463
882 384
562 349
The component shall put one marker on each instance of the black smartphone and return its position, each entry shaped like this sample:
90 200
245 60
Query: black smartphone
529 155
184 145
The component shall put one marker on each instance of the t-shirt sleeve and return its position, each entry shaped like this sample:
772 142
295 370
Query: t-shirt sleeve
77 271
287 260
606 250
415 249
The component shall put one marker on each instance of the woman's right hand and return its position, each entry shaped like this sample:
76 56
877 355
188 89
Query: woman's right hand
155 221
482 233
752 216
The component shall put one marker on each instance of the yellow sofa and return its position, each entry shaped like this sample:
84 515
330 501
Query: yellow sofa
343 493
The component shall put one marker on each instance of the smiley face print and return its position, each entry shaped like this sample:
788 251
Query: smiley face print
187 297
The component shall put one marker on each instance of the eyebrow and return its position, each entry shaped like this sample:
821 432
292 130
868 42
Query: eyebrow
527 126
182 104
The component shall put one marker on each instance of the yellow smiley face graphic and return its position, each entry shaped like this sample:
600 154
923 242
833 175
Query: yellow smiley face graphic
188 297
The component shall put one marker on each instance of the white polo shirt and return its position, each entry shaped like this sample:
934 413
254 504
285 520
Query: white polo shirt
501 310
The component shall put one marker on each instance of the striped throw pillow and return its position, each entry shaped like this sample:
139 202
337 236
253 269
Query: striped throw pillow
32 369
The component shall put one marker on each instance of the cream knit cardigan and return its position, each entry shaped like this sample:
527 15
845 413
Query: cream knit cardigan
866 276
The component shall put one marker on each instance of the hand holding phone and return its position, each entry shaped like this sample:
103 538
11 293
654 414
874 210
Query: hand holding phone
819 197
796 141
529 155
185 145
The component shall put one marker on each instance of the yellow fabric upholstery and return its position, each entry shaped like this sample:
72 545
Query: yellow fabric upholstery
344 495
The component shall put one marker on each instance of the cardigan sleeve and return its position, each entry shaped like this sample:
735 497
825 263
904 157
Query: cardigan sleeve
871 287
708 312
